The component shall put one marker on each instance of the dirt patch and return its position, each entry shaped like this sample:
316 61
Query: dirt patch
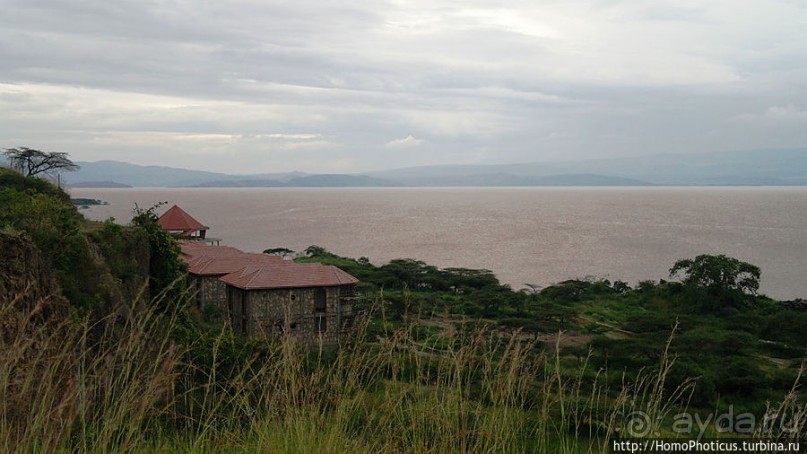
563 339
449 326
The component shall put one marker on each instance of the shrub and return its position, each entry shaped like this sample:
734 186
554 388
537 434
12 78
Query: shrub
167 271
720 278
54 225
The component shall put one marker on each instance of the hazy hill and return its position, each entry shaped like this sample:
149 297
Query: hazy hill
508 179
120 174
760 167
308 181
99 184
135 175
158 176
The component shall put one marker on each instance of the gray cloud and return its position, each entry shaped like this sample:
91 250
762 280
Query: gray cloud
328 86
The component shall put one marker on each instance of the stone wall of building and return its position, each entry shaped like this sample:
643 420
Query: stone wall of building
214 291
292 311
209 290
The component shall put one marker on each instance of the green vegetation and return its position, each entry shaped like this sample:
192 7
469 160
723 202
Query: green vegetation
167 271
41 212
101 351
718 279
744 349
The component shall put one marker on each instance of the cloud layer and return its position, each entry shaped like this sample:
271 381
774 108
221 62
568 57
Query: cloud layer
262 86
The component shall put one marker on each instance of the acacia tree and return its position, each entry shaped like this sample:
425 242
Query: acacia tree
279 251
721 276
32 162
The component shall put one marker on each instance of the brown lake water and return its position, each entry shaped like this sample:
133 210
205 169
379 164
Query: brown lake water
525 235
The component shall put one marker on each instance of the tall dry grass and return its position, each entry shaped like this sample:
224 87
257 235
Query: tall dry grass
84 385
121 384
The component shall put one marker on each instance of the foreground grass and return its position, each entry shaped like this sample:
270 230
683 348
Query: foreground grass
122 384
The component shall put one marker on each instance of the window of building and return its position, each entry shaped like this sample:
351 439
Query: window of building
320 300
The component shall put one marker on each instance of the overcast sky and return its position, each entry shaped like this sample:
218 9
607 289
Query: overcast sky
348 86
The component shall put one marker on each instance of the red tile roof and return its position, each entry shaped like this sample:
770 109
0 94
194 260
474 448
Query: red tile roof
191 249
287 274
206 265
177 219
259 271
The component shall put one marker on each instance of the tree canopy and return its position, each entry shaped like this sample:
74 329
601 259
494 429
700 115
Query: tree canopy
316 251
719 275
32 162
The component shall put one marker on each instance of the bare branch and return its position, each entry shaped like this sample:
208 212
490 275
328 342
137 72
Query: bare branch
32 162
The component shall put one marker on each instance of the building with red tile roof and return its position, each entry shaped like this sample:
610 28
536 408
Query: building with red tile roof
210 263
262 295
179 222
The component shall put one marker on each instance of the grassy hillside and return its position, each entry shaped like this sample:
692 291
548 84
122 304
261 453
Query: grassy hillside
445 360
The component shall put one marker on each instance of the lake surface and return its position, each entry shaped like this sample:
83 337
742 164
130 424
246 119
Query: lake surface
525 235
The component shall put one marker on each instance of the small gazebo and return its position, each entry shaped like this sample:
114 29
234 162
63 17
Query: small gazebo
178 222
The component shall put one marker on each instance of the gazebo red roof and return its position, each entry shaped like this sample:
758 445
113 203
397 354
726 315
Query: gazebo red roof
178 220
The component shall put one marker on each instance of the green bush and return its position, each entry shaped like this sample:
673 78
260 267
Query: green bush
717 279
167 271
54 225
787 326
704 394
741 376
32 185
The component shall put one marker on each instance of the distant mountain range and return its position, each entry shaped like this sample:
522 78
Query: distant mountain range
307 181
759 167
99 184
101 172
